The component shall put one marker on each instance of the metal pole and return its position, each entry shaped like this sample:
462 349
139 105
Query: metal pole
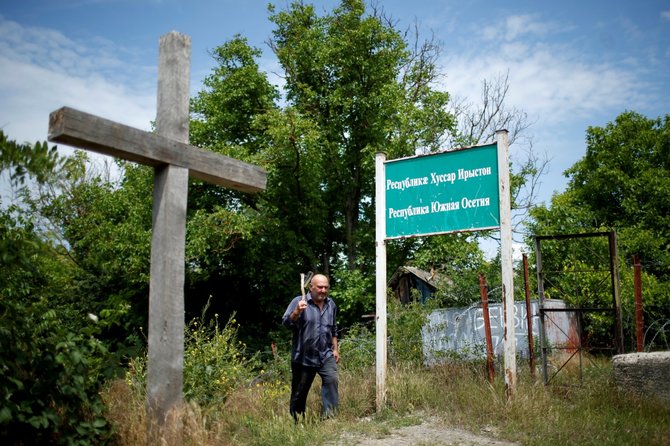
483 292
540 302
506 261
380 280
529 318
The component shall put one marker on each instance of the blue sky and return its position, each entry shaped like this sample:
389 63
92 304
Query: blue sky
571 64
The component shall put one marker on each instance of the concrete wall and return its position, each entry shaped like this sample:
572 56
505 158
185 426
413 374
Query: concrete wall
461 330
644 374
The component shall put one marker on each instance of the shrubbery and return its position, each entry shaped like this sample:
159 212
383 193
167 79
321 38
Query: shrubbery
404 330
50 372
49 379
215 363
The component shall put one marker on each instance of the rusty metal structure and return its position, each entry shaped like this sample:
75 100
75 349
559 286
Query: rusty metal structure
574 276
529 317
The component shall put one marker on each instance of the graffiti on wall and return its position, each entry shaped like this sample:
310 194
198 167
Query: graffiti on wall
460 331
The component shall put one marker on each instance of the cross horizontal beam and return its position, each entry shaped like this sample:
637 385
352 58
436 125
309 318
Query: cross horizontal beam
78 129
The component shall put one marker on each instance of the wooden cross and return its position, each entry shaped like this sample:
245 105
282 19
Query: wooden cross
173 160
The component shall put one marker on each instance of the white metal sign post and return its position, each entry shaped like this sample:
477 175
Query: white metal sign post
439 194
380 280
507 267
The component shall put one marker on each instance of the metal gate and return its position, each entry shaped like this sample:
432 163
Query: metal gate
580 269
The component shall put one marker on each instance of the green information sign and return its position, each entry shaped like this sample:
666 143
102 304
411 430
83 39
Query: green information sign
444 192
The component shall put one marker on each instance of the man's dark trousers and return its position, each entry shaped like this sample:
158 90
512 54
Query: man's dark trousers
301 382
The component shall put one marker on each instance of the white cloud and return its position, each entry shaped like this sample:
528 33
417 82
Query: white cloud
553 81
520 25
516 26
665 15
630 28
44 70
31 92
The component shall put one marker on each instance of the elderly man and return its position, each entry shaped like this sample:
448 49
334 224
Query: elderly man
312 318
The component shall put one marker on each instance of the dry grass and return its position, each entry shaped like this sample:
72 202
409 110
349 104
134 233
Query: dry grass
459 394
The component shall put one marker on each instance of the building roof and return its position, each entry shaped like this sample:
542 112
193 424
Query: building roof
427 276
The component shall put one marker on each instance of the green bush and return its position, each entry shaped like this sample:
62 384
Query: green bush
404 330
50 379
215 363
353 292
357 348
50 373
405 343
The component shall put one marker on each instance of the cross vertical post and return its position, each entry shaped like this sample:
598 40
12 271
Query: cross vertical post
165 368
174 160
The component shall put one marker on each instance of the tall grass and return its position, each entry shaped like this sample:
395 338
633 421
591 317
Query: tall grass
458 394
255 411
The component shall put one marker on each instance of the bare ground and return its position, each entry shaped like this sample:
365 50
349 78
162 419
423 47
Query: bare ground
431 432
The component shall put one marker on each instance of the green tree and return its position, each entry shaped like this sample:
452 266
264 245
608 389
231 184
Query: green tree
353 86
102 229
50 374
624 180
622 183
356 78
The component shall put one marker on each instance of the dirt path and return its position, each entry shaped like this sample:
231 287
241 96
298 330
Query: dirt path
429 433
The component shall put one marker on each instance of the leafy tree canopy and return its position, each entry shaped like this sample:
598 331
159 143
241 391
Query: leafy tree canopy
353 86
621 183
51 365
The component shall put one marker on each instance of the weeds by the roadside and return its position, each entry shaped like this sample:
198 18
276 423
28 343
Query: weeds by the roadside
255 411
459 394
